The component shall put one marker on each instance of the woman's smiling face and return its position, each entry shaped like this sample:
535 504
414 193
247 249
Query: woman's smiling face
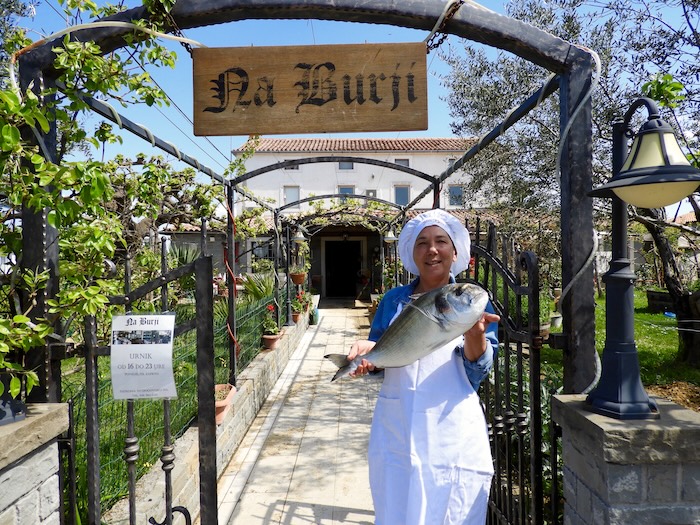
434 253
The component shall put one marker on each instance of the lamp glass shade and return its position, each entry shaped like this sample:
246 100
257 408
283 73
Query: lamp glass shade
655 195
656 173
390 237
651 150
299 238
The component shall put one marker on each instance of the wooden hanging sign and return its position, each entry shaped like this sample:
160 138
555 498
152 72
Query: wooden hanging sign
310 89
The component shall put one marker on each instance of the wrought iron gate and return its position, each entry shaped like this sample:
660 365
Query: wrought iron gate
512 397
203 323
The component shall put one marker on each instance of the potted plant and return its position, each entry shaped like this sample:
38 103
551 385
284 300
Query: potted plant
297 272
298 306
223 395
271 332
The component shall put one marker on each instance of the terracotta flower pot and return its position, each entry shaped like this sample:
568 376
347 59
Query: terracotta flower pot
270 340
224 396
297 278
295 316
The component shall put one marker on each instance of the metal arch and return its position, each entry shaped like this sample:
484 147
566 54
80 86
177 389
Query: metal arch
472 22
315 160
401 208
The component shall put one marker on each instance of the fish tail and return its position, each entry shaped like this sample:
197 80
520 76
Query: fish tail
345 367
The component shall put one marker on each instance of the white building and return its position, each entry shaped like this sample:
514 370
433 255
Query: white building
296 182
291 173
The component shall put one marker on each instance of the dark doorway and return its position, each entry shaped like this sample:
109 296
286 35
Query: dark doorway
343 262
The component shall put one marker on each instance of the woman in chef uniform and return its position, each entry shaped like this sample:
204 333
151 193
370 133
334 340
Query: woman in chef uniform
429 455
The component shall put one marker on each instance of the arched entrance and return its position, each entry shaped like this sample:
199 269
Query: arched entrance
572 64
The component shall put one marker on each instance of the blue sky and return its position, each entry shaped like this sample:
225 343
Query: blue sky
171 125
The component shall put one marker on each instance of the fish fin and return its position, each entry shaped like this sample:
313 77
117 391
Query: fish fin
339 360
345 367
428 316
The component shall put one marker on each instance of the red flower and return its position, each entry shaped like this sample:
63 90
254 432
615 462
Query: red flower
270 308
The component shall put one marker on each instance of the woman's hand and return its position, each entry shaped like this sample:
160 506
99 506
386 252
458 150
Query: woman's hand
475 343
361 347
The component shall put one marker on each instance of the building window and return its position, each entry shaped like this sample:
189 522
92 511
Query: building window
371 193
291 194
402 162
262 255
346 165
346 190
402 195
455 195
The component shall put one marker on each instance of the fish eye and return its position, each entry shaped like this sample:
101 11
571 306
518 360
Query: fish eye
459 291
441 303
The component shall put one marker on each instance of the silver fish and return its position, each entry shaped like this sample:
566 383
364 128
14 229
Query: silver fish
424 325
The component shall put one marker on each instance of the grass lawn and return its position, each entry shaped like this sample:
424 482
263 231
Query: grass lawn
657 345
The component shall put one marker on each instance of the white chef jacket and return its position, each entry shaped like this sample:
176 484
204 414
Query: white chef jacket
429 455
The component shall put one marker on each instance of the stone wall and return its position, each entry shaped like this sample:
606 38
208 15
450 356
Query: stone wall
29 466
253 384
629 472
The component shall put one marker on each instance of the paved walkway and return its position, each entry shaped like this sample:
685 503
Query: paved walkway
304 459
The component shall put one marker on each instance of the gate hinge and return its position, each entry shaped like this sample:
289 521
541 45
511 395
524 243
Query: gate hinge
62 350
558 341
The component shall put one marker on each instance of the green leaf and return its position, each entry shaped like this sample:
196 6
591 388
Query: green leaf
15 386
10 137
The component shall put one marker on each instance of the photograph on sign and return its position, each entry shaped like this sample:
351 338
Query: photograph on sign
142 357
310 89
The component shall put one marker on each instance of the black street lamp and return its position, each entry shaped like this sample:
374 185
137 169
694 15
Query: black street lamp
288 247
656 173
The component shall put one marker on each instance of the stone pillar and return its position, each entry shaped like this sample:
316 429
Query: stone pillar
641 472
29 465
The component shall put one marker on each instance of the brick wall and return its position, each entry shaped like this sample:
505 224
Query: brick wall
636 472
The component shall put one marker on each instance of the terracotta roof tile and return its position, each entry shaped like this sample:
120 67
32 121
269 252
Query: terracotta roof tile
326 145
686 218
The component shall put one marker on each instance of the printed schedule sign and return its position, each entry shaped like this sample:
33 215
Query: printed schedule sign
310 89
142 356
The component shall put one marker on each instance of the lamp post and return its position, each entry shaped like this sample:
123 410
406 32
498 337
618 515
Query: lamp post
653 175
288 248
391 239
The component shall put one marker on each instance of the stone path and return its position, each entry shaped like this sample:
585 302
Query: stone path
304 459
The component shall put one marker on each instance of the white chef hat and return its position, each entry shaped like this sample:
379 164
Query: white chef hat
453 227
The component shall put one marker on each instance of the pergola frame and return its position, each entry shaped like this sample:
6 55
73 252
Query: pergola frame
572 64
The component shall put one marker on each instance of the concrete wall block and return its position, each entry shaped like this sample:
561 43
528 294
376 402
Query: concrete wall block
53 519
599 510
27 474
583 498
662 483
570 516
624 484
570 483
583 460
49 498
690 483
8 516
28 509
655 515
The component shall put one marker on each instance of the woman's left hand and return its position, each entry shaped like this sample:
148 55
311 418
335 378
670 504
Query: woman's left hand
475 343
